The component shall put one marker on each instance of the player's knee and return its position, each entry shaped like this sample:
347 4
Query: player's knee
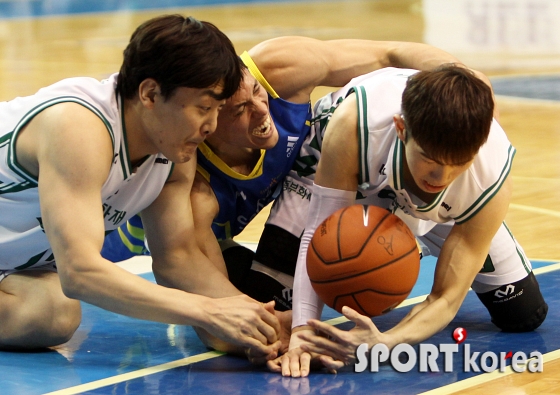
516 307
28 329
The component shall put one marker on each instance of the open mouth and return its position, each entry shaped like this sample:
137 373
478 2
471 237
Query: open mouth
262 130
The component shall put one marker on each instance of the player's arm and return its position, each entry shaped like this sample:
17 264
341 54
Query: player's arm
335 186
294 66
205 208
178 262
461 258
74 156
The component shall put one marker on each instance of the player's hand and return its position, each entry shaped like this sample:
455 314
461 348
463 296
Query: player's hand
285 318
246 323
297 362
338 347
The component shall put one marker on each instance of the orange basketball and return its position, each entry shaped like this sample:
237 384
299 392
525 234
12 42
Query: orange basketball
363 257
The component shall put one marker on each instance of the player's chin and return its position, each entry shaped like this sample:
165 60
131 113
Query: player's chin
185 155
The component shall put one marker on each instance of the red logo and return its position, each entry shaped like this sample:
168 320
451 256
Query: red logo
459 335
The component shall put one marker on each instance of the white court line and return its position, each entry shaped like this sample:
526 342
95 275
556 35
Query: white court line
537 210
136 374
484 378
421 298
467 383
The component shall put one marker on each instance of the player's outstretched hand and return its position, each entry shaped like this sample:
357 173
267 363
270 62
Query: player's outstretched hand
244 322
285 319
338 346
297 362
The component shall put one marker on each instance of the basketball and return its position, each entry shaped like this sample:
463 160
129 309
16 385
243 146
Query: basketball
363 257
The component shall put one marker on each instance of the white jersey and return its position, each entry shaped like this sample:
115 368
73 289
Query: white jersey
381 158
23 243
379 96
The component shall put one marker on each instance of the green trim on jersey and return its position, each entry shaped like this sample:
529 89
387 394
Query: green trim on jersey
526 265
34 259
490 192
13 187
123 149
12 158
363 133
397 165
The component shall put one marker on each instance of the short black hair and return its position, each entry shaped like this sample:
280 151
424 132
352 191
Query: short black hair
179 52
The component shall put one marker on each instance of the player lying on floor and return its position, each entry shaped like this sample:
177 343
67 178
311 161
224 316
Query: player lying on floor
243 165
423 145
80 157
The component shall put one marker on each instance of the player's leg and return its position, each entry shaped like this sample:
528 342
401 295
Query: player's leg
34 312
267 274
516 304
505 285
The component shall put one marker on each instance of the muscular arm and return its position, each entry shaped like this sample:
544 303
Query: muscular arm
294 66
461 258
205 208
178 261
74 156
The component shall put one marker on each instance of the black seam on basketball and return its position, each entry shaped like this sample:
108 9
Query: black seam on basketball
414 249
352 295
338 241
338 234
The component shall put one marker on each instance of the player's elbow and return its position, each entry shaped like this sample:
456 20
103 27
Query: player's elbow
72 282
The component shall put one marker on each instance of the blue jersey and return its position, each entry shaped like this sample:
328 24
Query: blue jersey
241 197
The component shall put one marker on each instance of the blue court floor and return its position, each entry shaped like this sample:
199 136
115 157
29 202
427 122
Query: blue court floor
112 354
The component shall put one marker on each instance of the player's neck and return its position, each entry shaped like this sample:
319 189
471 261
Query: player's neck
137 142
240 159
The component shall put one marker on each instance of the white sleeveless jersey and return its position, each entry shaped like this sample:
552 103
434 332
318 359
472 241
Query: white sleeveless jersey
379 96
23 243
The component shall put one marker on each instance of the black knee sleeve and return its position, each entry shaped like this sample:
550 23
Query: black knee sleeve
278 249
238 261
273 278
516 307
264 288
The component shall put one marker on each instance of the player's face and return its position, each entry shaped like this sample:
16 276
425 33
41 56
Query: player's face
177 125
430 175
245 119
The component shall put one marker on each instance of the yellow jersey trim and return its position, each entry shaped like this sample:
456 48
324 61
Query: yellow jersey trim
202 171
224 168
246 58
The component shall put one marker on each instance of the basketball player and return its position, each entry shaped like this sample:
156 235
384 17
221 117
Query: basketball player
242 166
424 146
258 138
87 152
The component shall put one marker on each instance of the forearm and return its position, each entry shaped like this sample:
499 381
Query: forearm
193 272
422 322
114 289
417 56
324 202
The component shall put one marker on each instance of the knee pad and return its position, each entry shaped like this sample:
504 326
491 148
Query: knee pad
516 307
265 284
278 249
238 261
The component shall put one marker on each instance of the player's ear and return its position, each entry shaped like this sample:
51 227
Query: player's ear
147 91
400 127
